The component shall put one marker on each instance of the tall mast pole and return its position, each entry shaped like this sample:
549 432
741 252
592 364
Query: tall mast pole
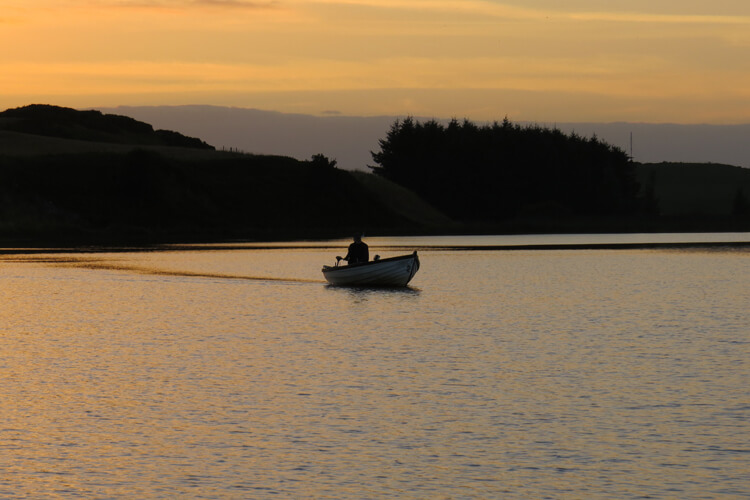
631 146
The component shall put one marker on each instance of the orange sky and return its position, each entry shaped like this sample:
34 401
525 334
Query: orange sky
685 61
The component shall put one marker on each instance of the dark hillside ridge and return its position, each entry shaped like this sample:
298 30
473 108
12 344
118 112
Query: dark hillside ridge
684 189
145 197
72 177
94 126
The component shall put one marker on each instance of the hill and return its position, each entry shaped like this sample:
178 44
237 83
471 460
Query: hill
93 126
689 189
147 197
62 182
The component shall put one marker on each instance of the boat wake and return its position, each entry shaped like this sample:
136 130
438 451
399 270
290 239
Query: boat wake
107 265
191 274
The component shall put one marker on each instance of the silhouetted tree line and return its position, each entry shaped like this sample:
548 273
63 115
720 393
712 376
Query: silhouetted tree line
503 170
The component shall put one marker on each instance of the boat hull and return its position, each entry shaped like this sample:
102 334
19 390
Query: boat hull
396 271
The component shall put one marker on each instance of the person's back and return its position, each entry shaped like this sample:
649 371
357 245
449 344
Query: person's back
358 251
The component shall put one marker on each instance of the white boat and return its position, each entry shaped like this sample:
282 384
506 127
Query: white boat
394 271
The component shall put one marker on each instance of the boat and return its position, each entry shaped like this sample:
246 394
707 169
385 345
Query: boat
394 271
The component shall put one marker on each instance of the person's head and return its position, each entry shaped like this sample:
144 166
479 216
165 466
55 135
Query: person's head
357 237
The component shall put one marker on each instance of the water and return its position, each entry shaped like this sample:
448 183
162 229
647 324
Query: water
499 374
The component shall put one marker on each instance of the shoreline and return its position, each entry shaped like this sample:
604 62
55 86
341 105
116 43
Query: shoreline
213 247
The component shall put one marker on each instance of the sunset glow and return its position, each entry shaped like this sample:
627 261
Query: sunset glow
684 62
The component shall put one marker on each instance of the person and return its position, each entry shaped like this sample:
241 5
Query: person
358 251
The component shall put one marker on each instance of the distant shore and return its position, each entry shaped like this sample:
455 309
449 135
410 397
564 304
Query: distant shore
74 180
326 245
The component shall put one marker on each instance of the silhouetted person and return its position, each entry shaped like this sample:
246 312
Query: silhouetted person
358 251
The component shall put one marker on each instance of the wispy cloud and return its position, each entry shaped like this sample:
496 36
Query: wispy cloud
443 6
634 17
589 75
508 12
188 5
238 4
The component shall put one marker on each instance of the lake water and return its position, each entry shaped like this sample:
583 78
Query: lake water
238 373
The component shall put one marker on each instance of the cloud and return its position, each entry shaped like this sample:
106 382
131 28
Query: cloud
586 75
506 11
634 17
194 4
477 7
236 4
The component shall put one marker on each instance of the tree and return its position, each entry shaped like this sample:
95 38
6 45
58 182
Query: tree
322 162
498 171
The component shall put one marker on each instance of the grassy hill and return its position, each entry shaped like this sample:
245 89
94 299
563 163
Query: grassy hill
145 196
93 126
404 202
685 189
19 144
78 187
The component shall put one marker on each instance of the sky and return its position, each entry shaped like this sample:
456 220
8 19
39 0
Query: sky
651 61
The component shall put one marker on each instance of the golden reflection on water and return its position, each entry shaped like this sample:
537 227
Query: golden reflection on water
240 374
